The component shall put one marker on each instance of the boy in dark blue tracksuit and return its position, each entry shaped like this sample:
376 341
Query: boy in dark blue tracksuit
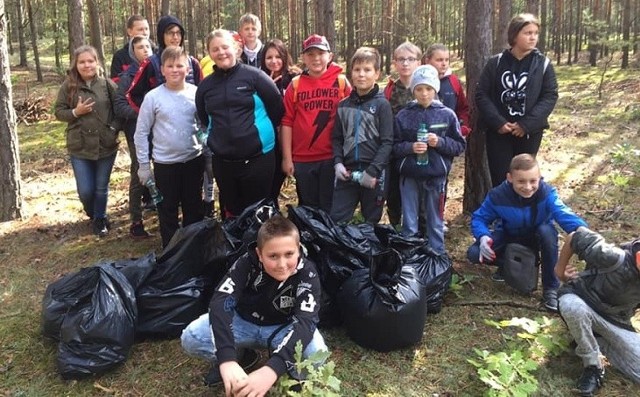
444 141
524 206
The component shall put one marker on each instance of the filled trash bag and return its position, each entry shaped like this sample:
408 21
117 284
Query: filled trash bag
384 307
164 313
181 283
242 230
520 268
136 270
435 273
98 328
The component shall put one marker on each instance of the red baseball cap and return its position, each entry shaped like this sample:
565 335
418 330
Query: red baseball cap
316 41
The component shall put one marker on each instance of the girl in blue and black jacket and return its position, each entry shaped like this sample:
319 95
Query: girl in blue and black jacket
241 107
444 141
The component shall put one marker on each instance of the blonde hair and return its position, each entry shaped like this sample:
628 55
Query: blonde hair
223 34
367 54
249 18
173 53
408 47
523 162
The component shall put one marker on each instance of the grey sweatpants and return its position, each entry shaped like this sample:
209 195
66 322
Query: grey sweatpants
620 346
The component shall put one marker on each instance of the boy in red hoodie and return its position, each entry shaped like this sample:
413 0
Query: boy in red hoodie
311 102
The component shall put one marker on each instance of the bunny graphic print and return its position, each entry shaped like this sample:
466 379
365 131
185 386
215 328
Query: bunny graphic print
513 92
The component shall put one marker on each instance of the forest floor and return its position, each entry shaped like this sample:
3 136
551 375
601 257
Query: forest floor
590 155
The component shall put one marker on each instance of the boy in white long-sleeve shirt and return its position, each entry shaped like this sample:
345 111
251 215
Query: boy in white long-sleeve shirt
166 133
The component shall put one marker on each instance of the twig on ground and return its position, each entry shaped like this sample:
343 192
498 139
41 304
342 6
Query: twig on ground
499 303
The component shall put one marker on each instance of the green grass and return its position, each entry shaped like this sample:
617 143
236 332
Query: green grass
54 239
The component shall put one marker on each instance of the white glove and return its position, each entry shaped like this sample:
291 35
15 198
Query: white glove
486 252
144 173
368 181
341 172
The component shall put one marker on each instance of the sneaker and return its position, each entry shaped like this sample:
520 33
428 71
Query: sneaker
590 381
100 228
136 230
247 361
497 276
550 300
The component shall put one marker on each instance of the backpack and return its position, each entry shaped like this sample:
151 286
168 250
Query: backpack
342 83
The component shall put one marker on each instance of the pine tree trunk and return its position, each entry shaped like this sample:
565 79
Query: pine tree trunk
76 25
34 43
477 181
10 190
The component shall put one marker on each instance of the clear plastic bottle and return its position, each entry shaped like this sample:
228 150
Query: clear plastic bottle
356 176
156 196
422 159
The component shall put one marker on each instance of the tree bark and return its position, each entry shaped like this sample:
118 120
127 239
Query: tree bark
94 29
22 46
57 50
626 33
10 185
477 181
504 16
76 25
165 8
34 43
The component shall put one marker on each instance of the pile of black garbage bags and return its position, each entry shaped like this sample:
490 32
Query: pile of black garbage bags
377 283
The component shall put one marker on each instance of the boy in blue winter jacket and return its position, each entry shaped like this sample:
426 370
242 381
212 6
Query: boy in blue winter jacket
362 140
524 207
444 141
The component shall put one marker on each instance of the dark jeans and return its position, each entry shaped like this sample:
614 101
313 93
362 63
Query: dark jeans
92 182
314 184
501 148
181 186
347 195
544 242
242 183
136 189
394 206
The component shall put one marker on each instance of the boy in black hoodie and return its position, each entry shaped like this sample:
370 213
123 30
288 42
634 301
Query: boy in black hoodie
149 76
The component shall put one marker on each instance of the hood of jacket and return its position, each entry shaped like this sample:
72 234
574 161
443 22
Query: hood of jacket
163 25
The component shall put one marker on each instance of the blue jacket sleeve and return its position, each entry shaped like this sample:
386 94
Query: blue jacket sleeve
482 218
562 214
452 144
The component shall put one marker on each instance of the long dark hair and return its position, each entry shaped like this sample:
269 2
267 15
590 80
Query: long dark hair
283 52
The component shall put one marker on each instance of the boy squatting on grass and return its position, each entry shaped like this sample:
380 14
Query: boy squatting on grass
597 305
522 209
362 141
268 299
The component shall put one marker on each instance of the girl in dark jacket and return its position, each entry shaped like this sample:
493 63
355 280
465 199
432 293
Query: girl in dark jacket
516 93
241 107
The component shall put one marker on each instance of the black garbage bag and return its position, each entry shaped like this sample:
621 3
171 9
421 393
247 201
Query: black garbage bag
136 270
391 238
181 283
164 313
384 307
435 272
98 329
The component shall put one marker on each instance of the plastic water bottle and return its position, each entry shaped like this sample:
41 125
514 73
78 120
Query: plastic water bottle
422 159
356 176
156 196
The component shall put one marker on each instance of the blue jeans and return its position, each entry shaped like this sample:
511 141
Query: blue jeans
92 182
544 242
433 190
197 338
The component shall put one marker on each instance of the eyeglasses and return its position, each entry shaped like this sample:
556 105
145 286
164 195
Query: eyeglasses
406 60
174 33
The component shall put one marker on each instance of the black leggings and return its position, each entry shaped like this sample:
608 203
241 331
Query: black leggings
501 148
242 183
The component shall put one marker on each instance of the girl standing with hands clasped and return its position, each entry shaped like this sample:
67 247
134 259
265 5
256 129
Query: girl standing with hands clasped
516 93
85 102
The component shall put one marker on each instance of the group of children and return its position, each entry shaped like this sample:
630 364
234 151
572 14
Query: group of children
346 144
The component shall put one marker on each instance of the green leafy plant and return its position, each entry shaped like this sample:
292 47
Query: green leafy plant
457 283
319 379
625 159
511 373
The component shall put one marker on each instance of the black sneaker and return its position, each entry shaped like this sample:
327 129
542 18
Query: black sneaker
247 361
590 381
497 276
550 300
136 230
100 228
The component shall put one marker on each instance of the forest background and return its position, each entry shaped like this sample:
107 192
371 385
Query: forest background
590 153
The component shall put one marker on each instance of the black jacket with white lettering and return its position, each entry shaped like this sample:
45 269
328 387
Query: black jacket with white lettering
258 298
